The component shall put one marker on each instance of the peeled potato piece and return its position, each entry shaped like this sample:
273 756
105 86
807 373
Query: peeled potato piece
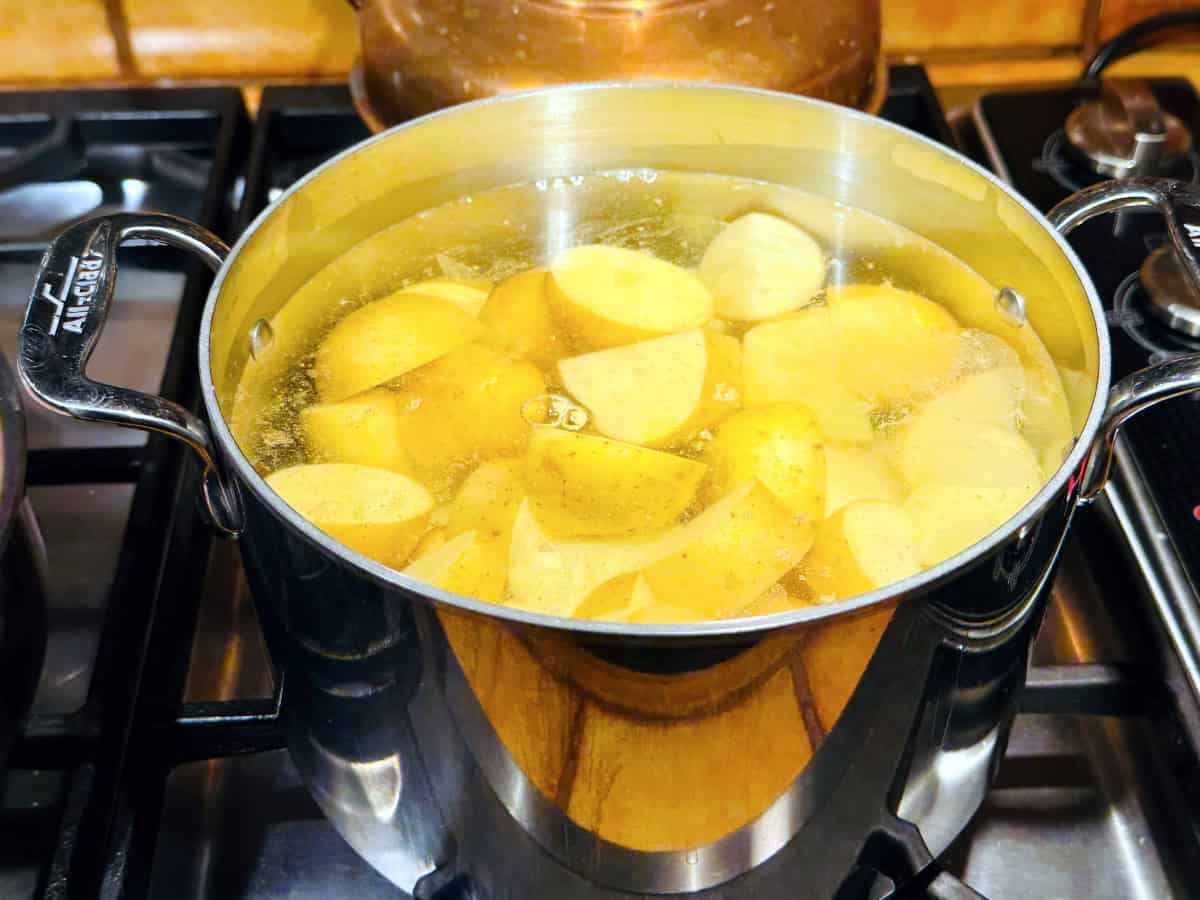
584 485
553 576
798 360
468 294
617 600
895 344
730 553
466 406
378 513
781 446
488 499
468 564
517 318
657 391
858 473
949 518
937 449
610 296
865 545
990 397
363 430
760 266
387 338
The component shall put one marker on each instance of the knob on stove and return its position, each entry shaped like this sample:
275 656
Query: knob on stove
1170 297
1125 132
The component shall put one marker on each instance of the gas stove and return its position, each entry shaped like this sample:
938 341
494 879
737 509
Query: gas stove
153 765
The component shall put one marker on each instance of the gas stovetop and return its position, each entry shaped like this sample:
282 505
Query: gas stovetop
152 765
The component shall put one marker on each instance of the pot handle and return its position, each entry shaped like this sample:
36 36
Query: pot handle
67 310
1179 205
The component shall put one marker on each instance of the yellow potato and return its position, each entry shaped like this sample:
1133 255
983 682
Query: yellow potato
760 266
1046 415
775 599
584 485
656 392
466 407
488 499
468 294
553 576
385 339
865 545
937 449
798 360
858 473
430 540
990 397
518 319
617 599
781 446
379 513
610 296
730 553
895 344
363 430
951 517
468 564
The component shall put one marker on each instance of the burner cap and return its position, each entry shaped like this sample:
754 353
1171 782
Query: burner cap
1125 132
1171 297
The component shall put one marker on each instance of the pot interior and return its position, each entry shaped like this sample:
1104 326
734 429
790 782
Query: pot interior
347 232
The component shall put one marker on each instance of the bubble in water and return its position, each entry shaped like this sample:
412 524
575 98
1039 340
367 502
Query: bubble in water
261 337
555 410
413 404
726 393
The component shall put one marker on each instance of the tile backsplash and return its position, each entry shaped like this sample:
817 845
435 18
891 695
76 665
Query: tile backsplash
95 41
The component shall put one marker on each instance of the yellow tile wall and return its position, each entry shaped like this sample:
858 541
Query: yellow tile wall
106 41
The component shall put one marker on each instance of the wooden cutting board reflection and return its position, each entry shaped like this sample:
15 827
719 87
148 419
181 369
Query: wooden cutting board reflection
602 743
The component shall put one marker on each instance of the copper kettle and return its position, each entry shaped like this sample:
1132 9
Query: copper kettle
421 55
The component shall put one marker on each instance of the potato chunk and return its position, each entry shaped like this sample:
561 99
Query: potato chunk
363 430
730 554
865 545
517 318
468 294
938 449
990 397
378 513
858 473
488 499
658 391
584 485
949 518
781 446
895 344
553 576
468 564
610 296
799 360
387 338
760 266
617 600
466 407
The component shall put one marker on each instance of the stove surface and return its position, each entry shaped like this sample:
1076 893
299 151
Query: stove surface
176 785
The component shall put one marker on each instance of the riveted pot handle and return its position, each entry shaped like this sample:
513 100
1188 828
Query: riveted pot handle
1179 205
68 307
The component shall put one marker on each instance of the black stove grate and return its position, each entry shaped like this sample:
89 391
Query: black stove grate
119 750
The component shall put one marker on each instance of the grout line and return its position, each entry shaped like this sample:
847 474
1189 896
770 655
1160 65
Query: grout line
118 24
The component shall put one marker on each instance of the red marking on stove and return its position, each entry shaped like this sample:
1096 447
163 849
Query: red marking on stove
1196 512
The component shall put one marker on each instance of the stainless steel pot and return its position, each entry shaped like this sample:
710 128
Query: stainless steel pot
467 749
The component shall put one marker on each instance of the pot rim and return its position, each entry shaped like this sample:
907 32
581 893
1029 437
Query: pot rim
1069 470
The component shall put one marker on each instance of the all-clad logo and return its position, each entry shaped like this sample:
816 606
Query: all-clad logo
78 290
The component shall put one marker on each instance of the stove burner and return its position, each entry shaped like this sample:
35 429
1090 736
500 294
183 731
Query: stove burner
1126 132
1136 313
1171 298
1060 163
